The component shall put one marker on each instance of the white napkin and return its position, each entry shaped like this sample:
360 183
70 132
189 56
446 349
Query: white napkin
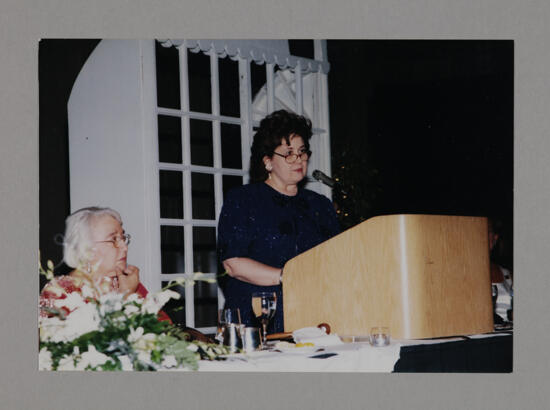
316 336
504 300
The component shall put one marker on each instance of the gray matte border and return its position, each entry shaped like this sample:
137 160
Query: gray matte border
23 22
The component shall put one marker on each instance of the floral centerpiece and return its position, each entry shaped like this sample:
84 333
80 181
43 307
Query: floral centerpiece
89 327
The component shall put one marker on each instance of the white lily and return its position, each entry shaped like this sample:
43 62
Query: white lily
135 334
45 359
92 358
67 363
126 363
82 320
169 361
155 301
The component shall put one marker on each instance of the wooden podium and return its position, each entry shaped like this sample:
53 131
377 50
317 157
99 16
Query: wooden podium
422 276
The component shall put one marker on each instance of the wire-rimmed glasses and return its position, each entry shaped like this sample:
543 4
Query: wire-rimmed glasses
291 158
117 241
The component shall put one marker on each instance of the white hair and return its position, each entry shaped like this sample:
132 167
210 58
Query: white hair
77 243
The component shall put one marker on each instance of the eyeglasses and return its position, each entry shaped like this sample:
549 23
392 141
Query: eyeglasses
117 241
291 158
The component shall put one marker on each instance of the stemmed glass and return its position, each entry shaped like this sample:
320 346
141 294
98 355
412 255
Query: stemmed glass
264 305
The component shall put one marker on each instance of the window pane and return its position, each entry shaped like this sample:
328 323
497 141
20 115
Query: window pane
229 87
205 260
201 143
257 78
198 65
231 146
229 182
171 249
204 249
175 308
169 139
202 187
168 76
206 304
171 194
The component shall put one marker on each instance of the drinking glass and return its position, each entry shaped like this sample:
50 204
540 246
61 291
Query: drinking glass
264 305
229 315
225 318
250 339
380 336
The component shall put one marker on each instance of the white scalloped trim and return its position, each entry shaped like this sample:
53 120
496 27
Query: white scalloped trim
234 48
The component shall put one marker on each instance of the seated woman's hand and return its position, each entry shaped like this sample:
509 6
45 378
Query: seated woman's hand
128 279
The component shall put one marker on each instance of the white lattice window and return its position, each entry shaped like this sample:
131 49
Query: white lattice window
198 102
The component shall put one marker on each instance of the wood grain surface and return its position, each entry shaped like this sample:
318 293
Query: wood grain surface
420 275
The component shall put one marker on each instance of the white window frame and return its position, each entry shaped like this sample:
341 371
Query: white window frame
249 117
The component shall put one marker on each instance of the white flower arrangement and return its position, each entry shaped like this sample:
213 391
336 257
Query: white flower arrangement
82 320
105 331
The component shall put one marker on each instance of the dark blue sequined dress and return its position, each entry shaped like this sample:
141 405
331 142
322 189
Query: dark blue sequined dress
260 223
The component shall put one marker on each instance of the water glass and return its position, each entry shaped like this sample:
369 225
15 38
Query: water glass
226 317
229 315
232 336
379 336
250 338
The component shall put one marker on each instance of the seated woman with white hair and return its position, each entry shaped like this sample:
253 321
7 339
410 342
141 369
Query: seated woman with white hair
96 246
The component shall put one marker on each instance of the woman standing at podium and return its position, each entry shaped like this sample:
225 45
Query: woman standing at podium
269 221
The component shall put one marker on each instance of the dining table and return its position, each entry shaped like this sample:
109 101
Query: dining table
482 353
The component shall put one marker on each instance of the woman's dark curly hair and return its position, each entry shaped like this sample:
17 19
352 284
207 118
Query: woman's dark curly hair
273 129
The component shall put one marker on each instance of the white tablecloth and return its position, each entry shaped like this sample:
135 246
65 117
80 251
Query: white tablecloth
350 357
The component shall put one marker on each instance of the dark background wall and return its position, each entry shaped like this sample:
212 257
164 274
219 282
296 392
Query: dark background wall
416 127
424 127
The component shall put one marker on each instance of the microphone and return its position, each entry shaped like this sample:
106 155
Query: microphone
322 177
325 179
